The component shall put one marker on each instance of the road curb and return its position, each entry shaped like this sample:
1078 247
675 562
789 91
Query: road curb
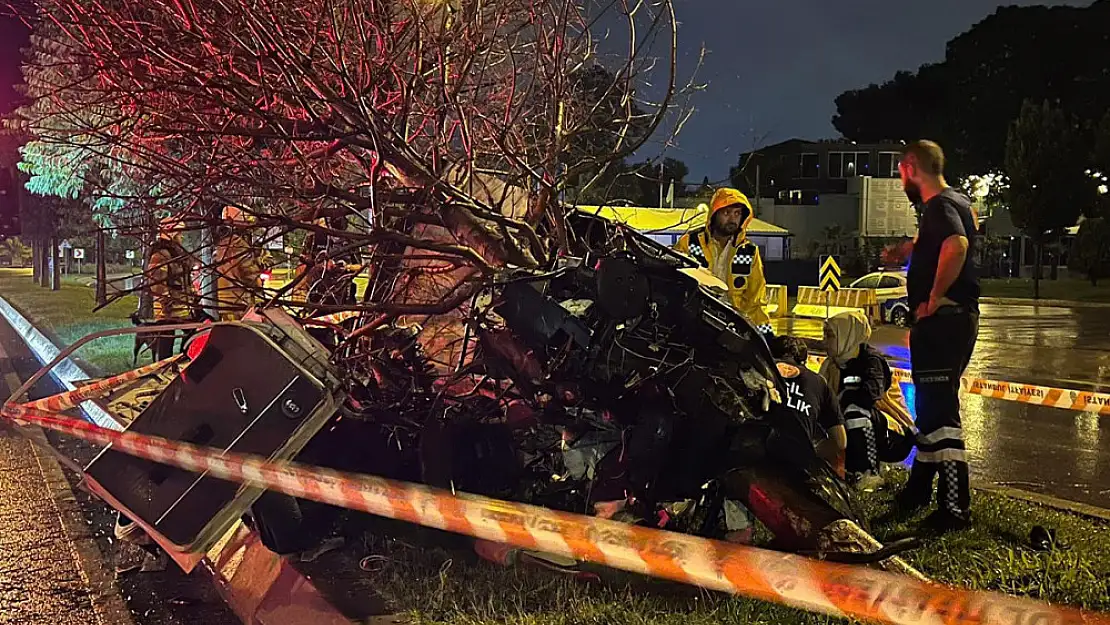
1048 501
1036 303
273 592
104 593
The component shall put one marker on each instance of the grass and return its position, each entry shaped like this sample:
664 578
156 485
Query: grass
437 585
67 315
1070 290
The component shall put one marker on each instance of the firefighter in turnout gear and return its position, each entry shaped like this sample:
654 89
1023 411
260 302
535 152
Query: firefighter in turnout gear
724 249
238 267
171 289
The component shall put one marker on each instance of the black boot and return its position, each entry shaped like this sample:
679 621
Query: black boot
954 498
918 493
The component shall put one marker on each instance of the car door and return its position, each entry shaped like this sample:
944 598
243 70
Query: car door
891 286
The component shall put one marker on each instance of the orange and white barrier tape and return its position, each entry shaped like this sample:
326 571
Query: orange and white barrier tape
1067 399
71 399
834 589
336 318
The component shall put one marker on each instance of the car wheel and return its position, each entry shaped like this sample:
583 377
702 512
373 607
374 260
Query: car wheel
900 317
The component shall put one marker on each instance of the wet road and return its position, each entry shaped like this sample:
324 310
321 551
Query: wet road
1055 452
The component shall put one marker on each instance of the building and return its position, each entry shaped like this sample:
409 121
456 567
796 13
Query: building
823 189
666 225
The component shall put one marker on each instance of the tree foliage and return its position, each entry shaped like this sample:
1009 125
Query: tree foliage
1090 253
1048 187
966 102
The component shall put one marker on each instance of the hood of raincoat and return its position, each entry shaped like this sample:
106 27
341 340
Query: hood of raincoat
844 334
724 198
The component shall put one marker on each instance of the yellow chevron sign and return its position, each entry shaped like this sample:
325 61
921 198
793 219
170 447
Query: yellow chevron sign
829 276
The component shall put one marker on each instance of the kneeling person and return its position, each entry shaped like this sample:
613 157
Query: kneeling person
877 425
811 400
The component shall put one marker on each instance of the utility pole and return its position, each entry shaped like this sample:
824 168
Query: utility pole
758 187
660 184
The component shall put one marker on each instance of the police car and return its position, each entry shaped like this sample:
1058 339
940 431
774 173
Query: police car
890 290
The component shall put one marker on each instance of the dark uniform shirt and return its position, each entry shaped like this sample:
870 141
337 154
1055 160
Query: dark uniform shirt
809 398
946 214
864 380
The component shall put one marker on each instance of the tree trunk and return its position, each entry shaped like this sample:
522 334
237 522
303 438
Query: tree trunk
101 269
56 267
45 262
36 260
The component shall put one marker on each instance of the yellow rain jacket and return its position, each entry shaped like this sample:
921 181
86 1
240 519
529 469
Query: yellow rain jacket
742 271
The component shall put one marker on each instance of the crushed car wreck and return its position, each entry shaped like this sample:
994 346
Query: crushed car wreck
611 383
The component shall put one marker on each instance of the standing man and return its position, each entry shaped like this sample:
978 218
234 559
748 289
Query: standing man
724 249
169 285
238 271
943 286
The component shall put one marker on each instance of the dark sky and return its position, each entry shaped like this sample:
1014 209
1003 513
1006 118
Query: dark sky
773 69
13 36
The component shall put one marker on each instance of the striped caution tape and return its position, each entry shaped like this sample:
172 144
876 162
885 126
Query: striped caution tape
70 399
1068 399
837 590
335 318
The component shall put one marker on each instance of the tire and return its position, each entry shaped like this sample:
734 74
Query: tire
900 317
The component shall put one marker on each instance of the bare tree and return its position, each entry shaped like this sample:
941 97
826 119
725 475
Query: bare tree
442 130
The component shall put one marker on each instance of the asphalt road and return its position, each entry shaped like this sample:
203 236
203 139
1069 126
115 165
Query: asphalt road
1055 452
57 561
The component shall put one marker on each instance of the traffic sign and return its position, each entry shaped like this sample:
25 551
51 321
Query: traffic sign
79 253
829 276
130 254
65 245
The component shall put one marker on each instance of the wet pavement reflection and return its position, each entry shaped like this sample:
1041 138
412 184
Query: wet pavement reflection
1045 450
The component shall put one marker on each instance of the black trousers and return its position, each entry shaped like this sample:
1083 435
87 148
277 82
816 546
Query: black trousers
862 454
940 349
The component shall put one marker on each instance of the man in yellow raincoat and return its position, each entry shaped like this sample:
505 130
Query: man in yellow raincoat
724 249
239 274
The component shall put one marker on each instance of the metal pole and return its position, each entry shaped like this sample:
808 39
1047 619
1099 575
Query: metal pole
660 184
758 188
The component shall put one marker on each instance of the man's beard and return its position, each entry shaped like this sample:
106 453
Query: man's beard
913 192
723 229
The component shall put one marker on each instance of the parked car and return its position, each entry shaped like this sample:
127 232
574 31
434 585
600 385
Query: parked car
890 290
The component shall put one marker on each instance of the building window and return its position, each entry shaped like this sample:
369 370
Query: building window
808 165
863 164
888 165
849 164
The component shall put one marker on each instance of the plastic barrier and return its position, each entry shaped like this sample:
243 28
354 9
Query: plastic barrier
1064 398
776 301
813 302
